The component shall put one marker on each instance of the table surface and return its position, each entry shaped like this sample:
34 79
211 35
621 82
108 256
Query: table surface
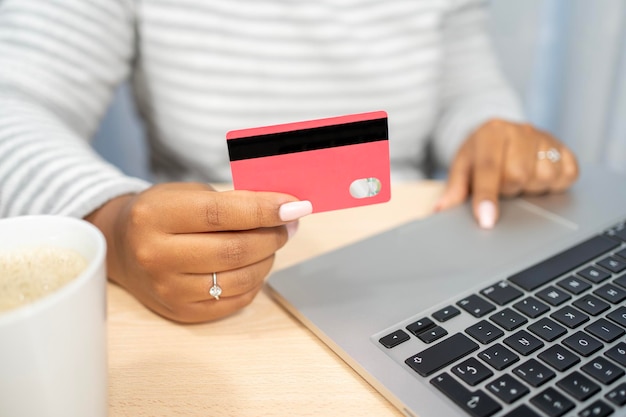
261 361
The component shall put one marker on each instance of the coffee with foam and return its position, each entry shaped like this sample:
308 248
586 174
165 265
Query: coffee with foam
29 274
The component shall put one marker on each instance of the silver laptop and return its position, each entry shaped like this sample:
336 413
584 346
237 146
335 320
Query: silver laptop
445 319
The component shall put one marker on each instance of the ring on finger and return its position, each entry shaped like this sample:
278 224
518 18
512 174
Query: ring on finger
552 155
215 291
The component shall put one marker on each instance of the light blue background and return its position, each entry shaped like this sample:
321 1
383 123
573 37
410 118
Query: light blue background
566 59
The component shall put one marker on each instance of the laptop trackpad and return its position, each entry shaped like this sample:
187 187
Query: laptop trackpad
418 265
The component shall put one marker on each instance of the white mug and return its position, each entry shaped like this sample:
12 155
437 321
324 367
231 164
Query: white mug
53 351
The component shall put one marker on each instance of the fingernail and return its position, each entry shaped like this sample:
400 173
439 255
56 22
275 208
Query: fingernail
438 205
294 210
486 214
292 228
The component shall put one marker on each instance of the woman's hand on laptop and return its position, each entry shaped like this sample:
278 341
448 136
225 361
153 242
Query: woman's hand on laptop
506 159
165 243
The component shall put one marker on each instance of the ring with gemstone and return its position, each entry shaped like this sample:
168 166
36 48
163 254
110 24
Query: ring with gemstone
552 155
215 290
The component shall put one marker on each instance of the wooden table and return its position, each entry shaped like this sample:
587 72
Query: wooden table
261 361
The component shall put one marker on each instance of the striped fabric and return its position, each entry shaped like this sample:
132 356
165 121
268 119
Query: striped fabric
202 67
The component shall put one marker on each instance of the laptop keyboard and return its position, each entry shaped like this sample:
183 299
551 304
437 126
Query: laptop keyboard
547 341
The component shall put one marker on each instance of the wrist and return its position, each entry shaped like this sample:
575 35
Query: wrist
106 218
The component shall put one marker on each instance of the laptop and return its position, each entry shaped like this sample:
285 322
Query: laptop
446 319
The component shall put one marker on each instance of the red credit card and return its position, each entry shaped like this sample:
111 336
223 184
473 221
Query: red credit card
335 163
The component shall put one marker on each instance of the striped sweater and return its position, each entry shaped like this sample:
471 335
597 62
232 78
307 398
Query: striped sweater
199 68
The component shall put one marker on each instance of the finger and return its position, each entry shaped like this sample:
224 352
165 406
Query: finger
547 166
569 171
193 302
201 253
178 186
487 171
175 291
208 310
190 211
457 186
234 282
520 157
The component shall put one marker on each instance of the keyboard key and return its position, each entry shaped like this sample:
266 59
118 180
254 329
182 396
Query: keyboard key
484 332
553 295
420 326
619 233
605 330
557 265
603 370
522 411
597 408
618 316
547 329
531 307
591 305
471 371
502 293
559 358
552 402
611 293
621 253
570 317
613 264
394 339
476 305
618 395
446 313
534 373
442 354
574 285
593 274
508 319
508 389
578 386
498 357
621 281
523 342
432 334
618 353
582 343
476 403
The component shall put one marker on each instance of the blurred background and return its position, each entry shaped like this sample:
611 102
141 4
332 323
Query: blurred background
565 58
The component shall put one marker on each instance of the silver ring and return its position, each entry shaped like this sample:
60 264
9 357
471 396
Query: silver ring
552 155
215 290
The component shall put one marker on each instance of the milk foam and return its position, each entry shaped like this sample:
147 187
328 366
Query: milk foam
29 274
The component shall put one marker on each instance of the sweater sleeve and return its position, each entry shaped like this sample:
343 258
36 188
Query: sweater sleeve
60 62
473 88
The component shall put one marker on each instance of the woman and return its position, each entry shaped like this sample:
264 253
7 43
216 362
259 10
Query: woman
202 68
